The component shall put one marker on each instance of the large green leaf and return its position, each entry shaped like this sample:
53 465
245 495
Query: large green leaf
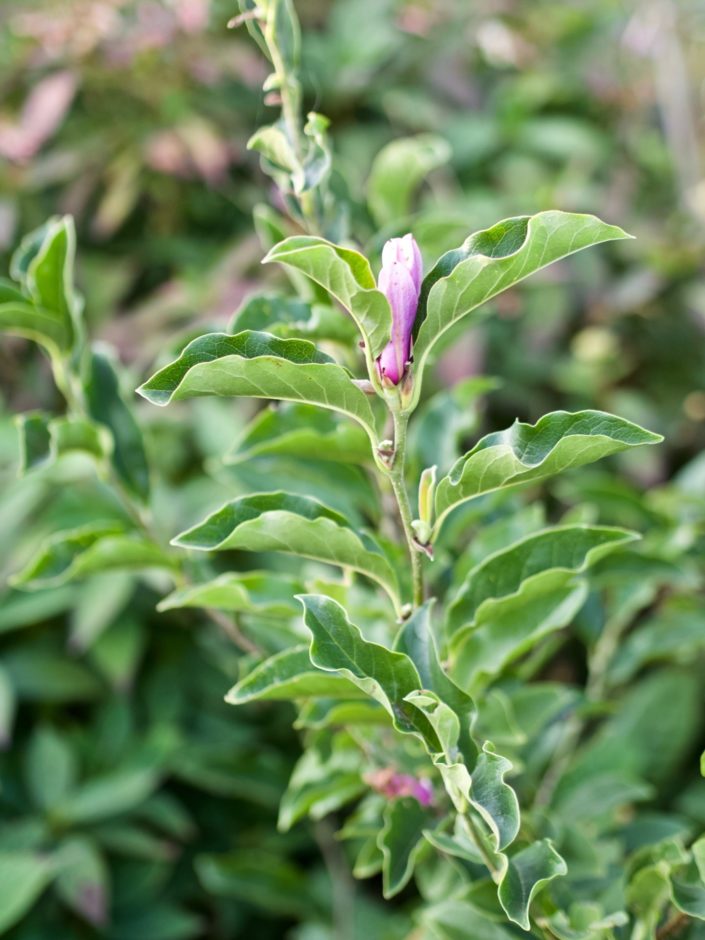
400 840
289 675
508 628
526 874
296 525
347 276
385 675
397 171
490 261
564 549
526 453
23 877
258 365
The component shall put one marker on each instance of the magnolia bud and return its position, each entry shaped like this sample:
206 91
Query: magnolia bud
400 282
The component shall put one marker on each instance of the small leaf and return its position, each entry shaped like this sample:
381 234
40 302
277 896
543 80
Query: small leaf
23 877
493 798
43 439
527 873
490 261
106 406
258 365
295 525
563 549
286 676
387 676
400 840
347 276
397 171
526 453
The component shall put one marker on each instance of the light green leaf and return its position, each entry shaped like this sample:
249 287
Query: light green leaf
255 592
295 430
493 798
49 275
386 676
258 365
347 276
101 546
289 675
23 877
111 794
295 525
397 171
526 453
400 840
563 549
490 261
20 317
106 406
527 873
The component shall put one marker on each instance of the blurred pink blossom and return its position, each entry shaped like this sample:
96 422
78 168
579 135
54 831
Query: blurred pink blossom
40 117
394 785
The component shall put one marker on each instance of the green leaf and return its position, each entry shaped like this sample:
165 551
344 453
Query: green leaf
82 880
49 275
688 883
347 276
23 877
301 431
50 768
106 406
100 546
397 171
259 878
43 439
258 365
400 840
8 708
386 676
289 675
526 453
47 307
296 525
326 777
527 873
493 798
256 592
563 549
492 260
509 627
291 317
417 641
109 795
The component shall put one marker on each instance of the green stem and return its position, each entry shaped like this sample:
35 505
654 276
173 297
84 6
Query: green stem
396 477
479 840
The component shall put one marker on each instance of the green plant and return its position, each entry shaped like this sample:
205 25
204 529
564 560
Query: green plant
427 677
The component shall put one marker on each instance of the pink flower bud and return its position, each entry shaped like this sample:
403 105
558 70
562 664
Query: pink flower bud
400 282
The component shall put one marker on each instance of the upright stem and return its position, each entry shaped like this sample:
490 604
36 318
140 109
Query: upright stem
396 476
